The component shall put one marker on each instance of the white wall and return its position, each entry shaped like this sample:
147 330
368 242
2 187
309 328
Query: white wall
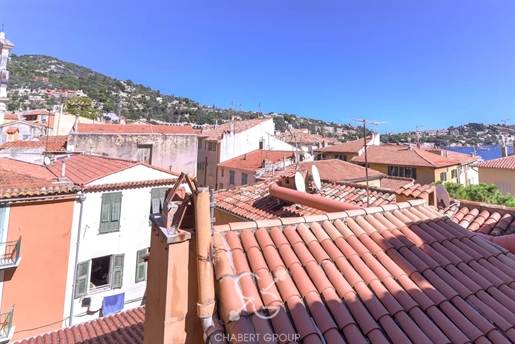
3 237
134 174
237 144
133 235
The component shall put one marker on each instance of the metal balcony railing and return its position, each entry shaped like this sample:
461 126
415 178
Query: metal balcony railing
11 254
6 323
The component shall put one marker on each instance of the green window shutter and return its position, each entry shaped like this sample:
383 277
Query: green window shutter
81 281
231 177
243 178
141 266
116 208
105 213
157 199
117 271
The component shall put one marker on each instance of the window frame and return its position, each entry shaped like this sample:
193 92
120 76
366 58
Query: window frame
244 178
111 206
232 175
141 266
443 176
83 276
155 195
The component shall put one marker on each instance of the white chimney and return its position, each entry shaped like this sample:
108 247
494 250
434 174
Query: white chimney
504 151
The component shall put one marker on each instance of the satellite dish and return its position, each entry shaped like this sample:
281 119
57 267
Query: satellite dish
300 184
442 196
316 177
46 161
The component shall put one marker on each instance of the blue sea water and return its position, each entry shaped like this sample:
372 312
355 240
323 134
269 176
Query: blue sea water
487 153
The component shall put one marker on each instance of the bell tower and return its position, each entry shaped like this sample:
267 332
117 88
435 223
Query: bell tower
5 47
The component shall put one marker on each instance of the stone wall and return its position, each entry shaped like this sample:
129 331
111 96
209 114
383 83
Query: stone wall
173 152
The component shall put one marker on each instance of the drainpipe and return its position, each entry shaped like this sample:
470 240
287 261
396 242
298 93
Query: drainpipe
82 198
204 211
314 201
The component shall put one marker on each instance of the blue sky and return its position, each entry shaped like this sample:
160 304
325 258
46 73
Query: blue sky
430 63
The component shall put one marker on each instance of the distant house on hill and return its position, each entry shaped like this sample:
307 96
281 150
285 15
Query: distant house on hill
173 148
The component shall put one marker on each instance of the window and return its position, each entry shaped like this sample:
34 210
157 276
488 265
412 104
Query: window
243 178
141 265
504 187
144 153
454 173
443 176
199 144
110 212
261 144
401 171
3 138
26 137
106 272
342 157
212 146
211 170
222 172
200 165
220 186
231 177
157 198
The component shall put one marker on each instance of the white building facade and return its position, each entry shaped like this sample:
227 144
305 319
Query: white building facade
110 236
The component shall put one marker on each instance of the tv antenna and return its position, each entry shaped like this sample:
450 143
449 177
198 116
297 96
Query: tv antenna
365 122
504 121
259 107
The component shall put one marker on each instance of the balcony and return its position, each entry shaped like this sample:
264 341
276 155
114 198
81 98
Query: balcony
10 254
6 326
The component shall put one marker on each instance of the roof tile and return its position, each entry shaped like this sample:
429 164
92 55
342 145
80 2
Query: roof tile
134 129
506 163
421 285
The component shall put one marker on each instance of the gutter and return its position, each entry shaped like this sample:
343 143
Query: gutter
30 198
82 198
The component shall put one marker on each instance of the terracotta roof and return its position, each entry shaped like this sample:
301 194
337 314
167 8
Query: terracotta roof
11 116
83 169
506 163
123 327
22 167
395 183
462 158
347 147
14 184
254 160
396 274
12 130
20 179
134 129
239 126
333 170
404 156
130 185
483 218
55 143
254 202
415 190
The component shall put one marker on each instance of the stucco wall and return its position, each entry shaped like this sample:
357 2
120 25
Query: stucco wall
225 179
177 152
37 286
237 144
133 235
26 131
497 176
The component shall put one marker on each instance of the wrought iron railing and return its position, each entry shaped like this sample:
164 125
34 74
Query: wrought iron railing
11 253
6 322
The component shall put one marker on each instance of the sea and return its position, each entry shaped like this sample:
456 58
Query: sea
487 153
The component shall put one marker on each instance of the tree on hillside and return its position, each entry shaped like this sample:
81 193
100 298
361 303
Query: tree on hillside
80 106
